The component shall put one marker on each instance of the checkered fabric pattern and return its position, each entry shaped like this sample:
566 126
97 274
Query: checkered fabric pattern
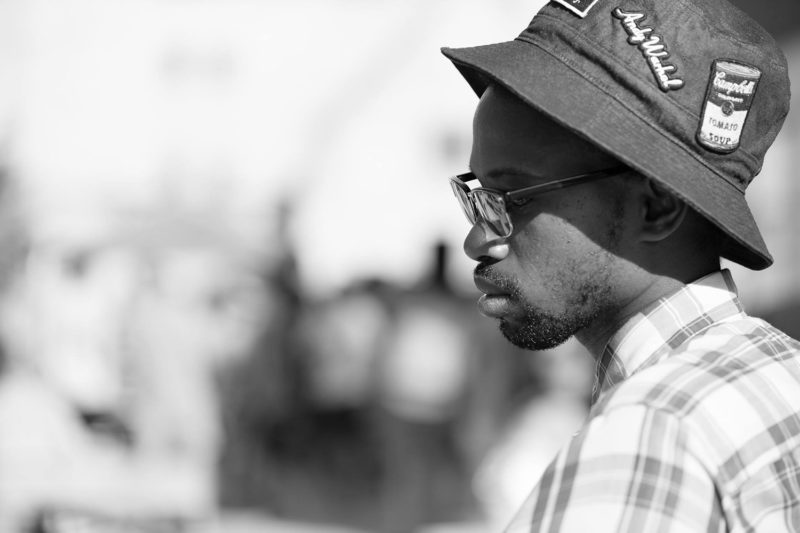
695 427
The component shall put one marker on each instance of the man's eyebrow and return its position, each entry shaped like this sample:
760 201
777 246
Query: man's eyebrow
500 172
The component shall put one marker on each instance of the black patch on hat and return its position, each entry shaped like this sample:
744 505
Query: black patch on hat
579 7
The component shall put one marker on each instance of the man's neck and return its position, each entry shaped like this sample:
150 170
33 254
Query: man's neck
595 337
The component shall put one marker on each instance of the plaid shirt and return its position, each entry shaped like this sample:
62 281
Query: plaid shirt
696 427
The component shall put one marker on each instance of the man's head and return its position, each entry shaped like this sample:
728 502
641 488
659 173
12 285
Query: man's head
688 95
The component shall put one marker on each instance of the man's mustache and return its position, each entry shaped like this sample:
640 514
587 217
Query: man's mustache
485 270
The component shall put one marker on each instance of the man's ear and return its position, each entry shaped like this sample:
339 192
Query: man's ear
662 212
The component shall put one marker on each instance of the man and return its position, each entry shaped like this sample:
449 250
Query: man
613 143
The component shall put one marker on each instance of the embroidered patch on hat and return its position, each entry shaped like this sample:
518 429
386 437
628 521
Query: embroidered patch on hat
579 7
653 50
729 97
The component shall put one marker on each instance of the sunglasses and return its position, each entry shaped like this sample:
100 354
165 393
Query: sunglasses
491 205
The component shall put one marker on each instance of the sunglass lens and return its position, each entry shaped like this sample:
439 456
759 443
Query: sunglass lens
492 208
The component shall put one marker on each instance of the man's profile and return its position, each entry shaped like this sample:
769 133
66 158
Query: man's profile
612 146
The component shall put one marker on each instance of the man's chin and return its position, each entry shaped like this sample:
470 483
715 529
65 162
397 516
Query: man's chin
535 335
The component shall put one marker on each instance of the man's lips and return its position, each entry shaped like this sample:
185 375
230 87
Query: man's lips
487 287
496 301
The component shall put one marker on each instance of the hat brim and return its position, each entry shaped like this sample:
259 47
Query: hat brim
551 86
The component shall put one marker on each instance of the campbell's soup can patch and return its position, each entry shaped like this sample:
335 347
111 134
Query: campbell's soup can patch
729 97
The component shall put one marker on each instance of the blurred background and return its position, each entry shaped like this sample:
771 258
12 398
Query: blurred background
233 297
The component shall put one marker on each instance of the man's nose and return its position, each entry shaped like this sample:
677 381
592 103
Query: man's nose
482 243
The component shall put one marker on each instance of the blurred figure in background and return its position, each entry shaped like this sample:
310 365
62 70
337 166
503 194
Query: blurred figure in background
195 311
262 391
300 443
422 382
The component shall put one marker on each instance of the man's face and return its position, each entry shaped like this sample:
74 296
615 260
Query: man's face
555 274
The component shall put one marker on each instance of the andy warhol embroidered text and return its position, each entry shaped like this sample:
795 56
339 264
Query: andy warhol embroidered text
654 51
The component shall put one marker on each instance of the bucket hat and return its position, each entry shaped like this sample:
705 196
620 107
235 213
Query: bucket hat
688 93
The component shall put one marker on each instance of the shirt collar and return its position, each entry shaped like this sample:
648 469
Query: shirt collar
664 325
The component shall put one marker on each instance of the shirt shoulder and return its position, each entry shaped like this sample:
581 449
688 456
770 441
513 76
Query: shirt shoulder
735 387
727 355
